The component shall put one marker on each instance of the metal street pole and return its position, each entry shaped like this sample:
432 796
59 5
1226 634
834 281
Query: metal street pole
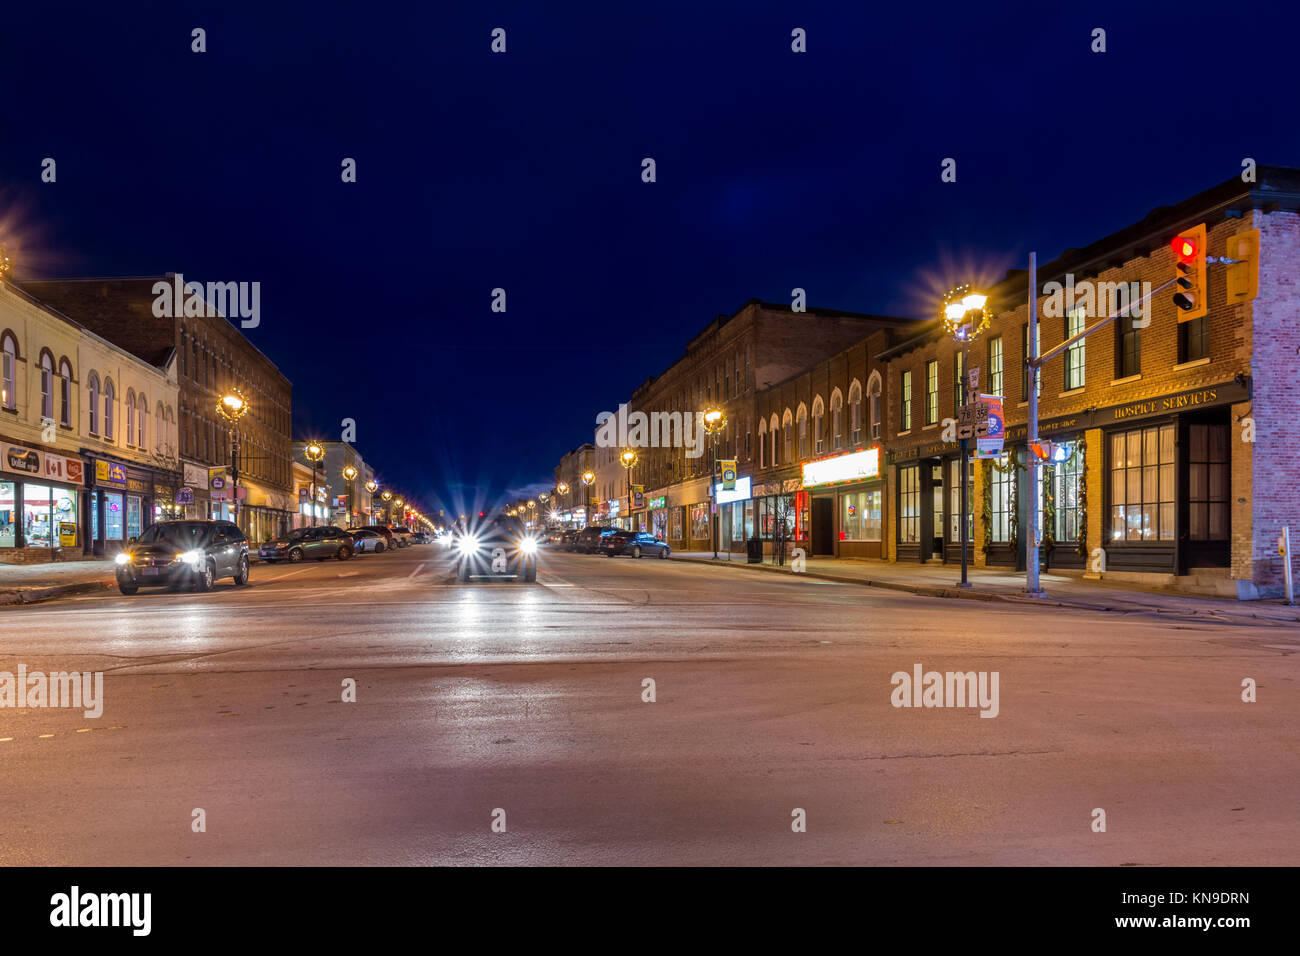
962 385
1032 586
234 470
713 492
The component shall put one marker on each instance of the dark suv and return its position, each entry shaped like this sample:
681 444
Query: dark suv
176 553
320 543
496 548
634 543
588 539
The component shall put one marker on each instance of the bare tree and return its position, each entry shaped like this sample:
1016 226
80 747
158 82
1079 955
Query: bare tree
783 504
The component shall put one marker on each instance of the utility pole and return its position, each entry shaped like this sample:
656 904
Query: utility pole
1032 586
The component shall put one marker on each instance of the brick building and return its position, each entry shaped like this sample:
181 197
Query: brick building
213 356
727 364
572 494
1178 439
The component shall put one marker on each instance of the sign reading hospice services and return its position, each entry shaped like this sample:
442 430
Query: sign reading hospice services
858 466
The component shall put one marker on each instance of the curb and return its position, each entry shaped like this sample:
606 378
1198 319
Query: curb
926 590
33 595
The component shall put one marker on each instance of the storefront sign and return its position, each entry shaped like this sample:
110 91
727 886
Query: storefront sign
135 484
110 474
59 468
742 492
22 460
68 534
858 466
660 501
196 476
185 496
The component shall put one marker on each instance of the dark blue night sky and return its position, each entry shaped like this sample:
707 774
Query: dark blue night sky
522 171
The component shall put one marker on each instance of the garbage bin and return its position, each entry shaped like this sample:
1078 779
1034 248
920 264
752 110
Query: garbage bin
754 551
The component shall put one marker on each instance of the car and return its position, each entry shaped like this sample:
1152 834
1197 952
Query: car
633 543
179 553
324 541
402 536
552 538
494 548
364 541
390 541
588 539
568 540
422 537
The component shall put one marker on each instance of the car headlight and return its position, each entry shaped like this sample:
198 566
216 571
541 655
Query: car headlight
191 557
528 545
467 544
123 558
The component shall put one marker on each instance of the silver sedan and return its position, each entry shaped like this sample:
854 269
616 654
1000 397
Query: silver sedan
368 541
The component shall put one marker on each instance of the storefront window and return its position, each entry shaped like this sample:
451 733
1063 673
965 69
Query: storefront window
1207 486
659 523
113 517
954 497
1142 484
699 521
8 515
49 516
1000 498
677 524
133 523
909 504
1065 492
860 516
738 520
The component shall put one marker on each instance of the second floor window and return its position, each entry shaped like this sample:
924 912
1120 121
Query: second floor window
47 387
1074 355
1128 348
1024 368
958 380
932 391
906 392
1194 339
995 365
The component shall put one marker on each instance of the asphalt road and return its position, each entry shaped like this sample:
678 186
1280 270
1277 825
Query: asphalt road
772 694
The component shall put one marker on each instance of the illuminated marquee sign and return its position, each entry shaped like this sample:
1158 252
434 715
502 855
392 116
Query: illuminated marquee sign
855 467
741 492
660 502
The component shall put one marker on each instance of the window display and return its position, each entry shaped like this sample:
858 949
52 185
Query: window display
8 506
860 516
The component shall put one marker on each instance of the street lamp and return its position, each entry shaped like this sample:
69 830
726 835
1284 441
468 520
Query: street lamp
965 315
232 407
715 420
588 478
627 458
349 474
314 453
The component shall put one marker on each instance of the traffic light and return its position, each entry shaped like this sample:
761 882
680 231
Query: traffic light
1189 265
1243 276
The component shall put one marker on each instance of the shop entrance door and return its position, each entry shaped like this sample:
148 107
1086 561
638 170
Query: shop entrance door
823 526
937 511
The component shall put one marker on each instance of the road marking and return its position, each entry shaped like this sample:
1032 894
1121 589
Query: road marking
415 572
287 575
349 574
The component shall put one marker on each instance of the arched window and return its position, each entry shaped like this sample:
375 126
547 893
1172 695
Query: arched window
774 426
873 404
819 417
110 407
130 416
65 393
855 413
9 372
47 386
837 420
803 430
160 426
762 444
140 422
92 385
787 440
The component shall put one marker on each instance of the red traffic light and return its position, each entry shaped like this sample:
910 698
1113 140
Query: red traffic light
1184 248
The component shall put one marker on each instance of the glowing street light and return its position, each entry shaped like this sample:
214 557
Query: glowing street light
314 452
232 406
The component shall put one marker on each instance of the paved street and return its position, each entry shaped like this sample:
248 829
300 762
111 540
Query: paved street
772 693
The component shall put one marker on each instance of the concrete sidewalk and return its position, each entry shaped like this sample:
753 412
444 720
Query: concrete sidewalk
25 583
1063 590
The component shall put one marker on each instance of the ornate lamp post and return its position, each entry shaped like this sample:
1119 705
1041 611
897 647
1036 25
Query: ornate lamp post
232 407
628 459
314 452
349 475
715 420
588 478
965 315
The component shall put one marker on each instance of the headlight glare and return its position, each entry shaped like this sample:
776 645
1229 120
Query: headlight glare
123 557
528 545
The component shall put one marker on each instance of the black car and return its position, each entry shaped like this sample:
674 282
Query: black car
496 548
326 541
179 553
568 540
588 539
633 543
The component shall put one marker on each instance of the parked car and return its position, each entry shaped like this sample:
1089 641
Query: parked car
177 553
588 540
568 540
390 541
402 536
364 541
326 541
552 538
496 548
633 543
422 537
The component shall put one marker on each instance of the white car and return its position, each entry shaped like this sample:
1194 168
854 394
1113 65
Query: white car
402 537
368 542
